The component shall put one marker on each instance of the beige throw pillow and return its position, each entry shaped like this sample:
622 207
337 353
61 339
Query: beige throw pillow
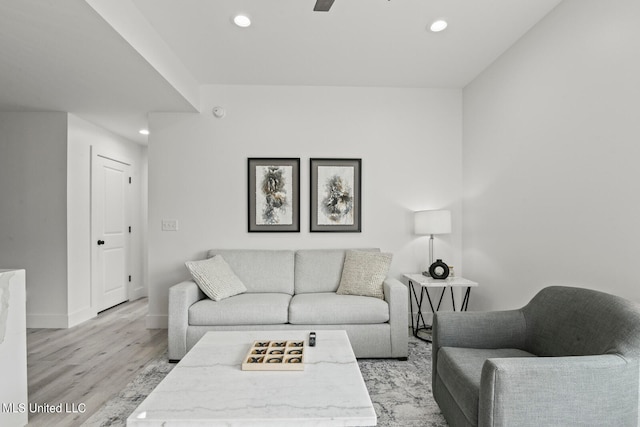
215 278
363 273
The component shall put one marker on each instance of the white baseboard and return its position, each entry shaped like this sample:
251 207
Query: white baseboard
137 293
156 321
80 316
47 321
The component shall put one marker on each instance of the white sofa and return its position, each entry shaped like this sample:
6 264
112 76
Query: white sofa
291 290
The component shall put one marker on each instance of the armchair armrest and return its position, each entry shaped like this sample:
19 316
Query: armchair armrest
492 329
396 295
575 390
181 297
495 329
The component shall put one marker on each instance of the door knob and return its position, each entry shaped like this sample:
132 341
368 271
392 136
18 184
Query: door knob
100 242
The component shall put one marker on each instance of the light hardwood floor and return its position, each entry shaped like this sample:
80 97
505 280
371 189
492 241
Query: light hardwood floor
89 363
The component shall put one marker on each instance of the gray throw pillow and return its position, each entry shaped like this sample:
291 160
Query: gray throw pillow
215 278
363 273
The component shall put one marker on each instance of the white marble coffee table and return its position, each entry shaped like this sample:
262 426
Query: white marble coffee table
208 387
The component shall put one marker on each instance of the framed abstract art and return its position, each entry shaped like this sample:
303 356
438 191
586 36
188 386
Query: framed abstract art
335 196
274 194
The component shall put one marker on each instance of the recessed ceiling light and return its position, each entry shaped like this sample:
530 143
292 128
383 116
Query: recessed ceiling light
144 131
242 21
438 25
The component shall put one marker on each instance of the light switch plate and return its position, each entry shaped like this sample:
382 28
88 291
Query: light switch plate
169 225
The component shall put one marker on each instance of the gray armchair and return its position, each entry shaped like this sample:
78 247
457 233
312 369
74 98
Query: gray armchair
569 357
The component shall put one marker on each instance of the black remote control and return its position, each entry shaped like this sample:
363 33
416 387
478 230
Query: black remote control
312 339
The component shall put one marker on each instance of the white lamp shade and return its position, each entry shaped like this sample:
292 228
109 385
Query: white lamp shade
432 222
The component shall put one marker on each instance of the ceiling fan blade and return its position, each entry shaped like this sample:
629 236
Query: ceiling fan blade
323 5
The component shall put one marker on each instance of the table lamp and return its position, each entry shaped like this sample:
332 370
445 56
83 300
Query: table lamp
430 223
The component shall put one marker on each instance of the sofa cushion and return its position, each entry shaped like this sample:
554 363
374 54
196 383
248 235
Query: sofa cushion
363 273
319 270
261 270
328 308
215 278
460 370
243 309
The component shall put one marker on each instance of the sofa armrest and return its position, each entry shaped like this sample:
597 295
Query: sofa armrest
396 295
181 297
576 390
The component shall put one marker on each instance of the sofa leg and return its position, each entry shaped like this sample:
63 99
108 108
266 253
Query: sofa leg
402 359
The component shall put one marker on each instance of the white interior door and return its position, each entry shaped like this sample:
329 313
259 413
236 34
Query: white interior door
110 232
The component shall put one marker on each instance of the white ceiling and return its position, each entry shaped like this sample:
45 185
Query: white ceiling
113 61
60 55
356 43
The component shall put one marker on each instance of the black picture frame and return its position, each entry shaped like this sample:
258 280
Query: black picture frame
336 195
273 194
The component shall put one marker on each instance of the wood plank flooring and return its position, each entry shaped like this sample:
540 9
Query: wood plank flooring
89 363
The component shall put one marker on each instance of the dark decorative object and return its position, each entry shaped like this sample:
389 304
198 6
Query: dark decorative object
335 195
274 194
439 270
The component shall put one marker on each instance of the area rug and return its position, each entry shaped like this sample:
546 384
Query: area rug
400 390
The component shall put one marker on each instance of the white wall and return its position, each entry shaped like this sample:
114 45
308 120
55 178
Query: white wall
551 152
45 211
409 141
33 221
83 136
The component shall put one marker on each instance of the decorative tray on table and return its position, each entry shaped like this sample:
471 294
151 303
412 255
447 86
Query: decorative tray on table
275 355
